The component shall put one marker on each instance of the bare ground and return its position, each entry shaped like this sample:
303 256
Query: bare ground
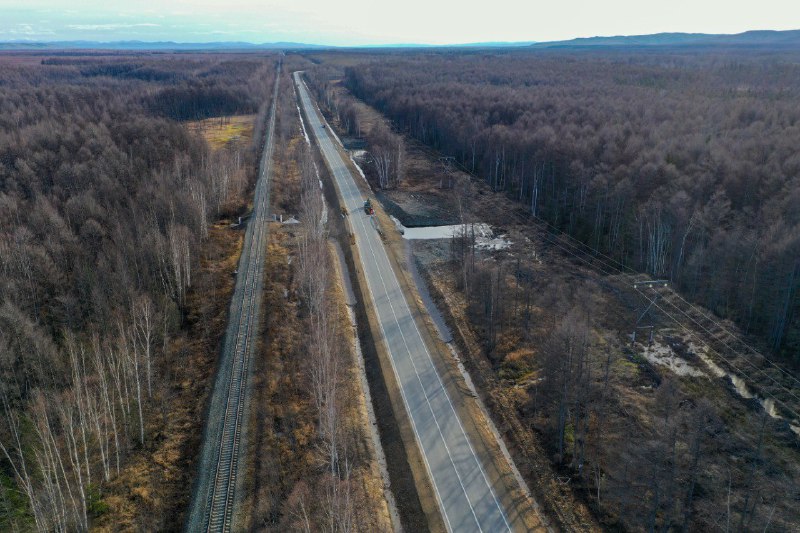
523 513
285 458
506 375
153 491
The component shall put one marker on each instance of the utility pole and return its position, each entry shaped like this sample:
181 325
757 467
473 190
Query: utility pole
651 327
447 171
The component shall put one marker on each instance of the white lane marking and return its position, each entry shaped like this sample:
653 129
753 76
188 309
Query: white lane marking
413 364
441 384
419 379
410 357
424 391
386 342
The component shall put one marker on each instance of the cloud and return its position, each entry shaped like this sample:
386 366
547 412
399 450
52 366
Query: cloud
28 30
23 29
104 27
370 22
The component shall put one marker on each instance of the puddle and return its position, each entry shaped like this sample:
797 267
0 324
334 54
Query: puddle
485 238
740 386
715 369
663 355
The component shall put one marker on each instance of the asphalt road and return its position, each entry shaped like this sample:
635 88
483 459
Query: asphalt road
465 494
214 499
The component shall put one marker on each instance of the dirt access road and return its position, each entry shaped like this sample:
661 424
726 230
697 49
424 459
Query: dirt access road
469 499
214 499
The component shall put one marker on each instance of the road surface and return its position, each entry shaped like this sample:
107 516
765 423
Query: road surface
214 500
466 498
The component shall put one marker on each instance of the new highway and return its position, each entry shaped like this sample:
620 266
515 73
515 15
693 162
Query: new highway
466 497
214 500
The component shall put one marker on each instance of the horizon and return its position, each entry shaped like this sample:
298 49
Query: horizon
359 23
277 44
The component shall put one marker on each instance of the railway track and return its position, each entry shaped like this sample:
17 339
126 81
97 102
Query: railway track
214 500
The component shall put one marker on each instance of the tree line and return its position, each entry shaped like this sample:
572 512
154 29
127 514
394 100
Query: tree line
105 202
646 450
384 164
330 506
680 165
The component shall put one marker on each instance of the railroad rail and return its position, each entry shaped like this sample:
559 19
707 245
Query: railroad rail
214 500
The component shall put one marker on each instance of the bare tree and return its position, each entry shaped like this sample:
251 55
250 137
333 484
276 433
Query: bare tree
382 158
19 464
565 364
142 315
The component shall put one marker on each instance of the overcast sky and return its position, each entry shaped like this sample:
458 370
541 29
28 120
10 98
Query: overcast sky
360 22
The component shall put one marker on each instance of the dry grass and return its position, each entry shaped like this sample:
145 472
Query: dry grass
152 492
285 188
505 375
286 457
367 481
221 131
422 200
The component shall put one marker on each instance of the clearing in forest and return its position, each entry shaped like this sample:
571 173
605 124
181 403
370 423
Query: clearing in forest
220 131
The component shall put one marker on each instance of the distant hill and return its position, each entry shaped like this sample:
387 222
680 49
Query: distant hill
788 38
162 45
232 45
756 38
497 44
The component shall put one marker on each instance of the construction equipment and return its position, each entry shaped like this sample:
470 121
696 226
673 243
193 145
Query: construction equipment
368 207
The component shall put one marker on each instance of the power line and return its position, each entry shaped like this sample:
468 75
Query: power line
728 361
610 270
737 339
611 267
750 363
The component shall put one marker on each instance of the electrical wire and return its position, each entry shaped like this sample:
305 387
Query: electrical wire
609 266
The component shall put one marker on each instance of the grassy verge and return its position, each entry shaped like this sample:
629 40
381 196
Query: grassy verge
287 469
153 491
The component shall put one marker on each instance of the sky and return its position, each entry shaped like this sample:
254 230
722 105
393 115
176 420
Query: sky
374 22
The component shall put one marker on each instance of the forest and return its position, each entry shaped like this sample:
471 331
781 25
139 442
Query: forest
683 165
105 206
676 164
